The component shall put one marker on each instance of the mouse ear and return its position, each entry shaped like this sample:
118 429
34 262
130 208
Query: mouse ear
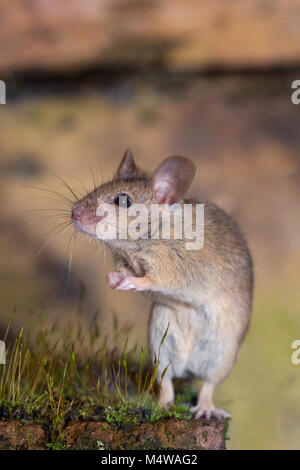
172 179
127 167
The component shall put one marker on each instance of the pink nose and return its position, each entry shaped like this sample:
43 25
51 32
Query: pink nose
76 212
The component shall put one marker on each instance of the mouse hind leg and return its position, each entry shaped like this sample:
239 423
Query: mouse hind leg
212 376
166 393
217 353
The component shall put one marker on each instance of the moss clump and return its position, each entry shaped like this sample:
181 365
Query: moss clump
125 415
53 385
226 434
56 445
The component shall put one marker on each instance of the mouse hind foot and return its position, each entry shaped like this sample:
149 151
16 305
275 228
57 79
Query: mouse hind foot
208 413
205 407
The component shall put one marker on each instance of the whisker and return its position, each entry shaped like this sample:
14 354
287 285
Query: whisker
48 209
69 267
100 170
71 241
77 179
57 226
65 226
39 189
65 183
58 217
104 255
94 185
56 200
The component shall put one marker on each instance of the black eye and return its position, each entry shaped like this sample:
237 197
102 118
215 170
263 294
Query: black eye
123 200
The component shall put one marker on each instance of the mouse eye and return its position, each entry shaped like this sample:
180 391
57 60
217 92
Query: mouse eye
123 200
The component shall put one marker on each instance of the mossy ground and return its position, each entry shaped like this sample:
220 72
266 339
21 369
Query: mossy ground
53 379
120 414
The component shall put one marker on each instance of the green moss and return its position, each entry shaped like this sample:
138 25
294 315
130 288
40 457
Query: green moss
226 434
100 445
60 445
124 415
177 411
52 386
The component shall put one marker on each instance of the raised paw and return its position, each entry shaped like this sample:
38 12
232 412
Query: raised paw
121 281
208 413
114 279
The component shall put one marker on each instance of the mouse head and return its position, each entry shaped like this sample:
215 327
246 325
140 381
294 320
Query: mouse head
100 212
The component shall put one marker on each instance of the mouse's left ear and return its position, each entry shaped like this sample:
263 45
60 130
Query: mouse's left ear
172 179
127 167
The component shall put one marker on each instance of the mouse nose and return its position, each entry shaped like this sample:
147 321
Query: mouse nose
76 211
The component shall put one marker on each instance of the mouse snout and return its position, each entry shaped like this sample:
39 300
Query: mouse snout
85 218
76 211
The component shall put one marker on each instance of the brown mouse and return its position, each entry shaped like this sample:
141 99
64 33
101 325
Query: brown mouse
202 296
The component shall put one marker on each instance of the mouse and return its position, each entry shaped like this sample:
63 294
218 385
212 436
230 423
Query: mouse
201 298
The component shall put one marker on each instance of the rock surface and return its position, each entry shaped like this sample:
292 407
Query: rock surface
189 435
170 434
64 34
16 435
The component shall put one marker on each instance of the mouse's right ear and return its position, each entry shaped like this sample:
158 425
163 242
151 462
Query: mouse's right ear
172 179
127 167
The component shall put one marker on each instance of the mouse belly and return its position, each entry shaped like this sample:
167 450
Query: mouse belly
188 349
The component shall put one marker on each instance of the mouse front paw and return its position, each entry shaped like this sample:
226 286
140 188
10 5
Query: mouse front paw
121 281
125 281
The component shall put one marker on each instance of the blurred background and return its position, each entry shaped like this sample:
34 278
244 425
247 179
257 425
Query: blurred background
209 80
